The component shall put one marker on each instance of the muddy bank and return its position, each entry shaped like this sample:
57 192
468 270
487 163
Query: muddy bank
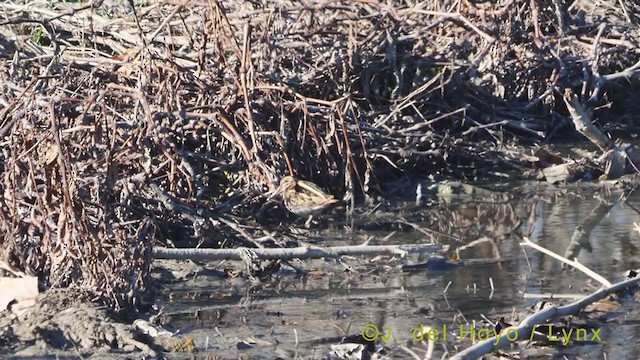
63 323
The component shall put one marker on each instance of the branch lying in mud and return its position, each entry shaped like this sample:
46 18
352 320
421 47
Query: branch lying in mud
307 252
524 329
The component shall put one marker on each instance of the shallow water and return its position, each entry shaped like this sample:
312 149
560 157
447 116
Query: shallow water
295 316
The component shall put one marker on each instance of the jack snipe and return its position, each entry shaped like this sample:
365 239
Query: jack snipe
303 198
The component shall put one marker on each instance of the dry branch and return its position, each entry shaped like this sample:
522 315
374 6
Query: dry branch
524 330
584 123
309 252
526 326
573 263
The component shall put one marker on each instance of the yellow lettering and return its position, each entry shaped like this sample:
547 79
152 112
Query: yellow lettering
388 337
551 336
567 337
418 333
370 332
471 331
483 334
497 336
433 334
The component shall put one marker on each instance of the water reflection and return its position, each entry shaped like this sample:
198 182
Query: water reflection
296 316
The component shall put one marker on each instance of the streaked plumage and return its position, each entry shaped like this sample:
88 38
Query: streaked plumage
303 198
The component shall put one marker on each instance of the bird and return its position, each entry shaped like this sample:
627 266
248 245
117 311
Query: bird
303 198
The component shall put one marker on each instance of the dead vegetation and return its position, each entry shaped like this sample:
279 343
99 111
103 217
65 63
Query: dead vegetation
127 124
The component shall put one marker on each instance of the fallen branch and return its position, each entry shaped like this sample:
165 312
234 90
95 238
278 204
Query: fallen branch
574 263
524 330
583 122
310 252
